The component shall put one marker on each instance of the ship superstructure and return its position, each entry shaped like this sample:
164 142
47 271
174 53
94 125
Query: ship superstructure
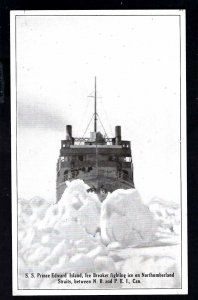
104 163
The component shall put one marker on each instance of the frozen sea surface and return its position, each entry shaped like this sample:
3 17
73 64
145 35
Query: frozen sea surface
79 234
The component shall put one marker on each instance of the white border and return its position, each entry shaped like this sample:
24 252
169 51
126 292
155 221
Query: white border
184 153
184 289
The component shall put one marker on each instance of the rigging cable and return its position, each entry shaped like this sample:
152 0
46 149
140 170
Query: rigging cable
87 127
102 126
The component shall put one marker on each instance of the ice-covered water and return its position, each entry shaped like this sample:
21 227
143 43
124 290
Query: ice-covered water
80 234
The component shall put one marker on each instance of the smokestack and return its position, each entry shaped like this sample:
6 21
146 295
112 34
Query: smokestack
118 135
68 132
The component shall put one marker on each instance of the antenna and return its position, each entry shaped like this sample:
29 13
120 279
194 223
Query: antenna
95 109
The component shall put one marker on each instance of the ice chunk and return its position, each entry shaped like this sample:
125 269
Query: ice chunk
81 263
89 217
114 245
39 254
167 214
39 206
70 230
104 264
125 219
98 251
80 206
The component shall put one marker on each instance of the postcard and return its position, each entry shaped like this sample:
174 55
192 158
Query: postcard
99 185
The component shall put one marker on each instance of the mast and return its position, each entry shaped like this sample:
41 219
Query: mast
95 109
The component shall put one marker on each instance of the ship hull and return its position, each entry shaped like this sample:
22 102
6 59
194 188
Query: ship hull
101 185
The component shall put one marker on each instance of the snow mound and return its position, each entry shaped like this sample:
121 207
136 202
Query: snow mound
154 264
79 234
167 214
60 237
125 219
77 204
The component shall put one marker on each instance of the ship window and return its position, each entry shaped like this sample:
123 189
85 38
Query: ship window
128 159
89 169
62 158
63 145
80 157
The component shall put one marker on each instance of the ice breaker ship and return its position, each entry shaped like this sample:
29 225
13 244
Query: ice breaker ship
104 163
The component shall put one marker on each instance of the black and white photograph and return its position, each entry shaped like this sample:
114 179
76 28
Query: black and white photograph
98 119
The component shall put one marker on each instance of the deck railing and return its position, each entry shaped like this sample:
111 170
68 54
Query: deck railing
85 139
100 173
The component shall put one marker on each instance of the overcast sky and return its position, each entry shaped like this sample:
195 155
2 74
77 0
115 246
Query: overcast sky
137 64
